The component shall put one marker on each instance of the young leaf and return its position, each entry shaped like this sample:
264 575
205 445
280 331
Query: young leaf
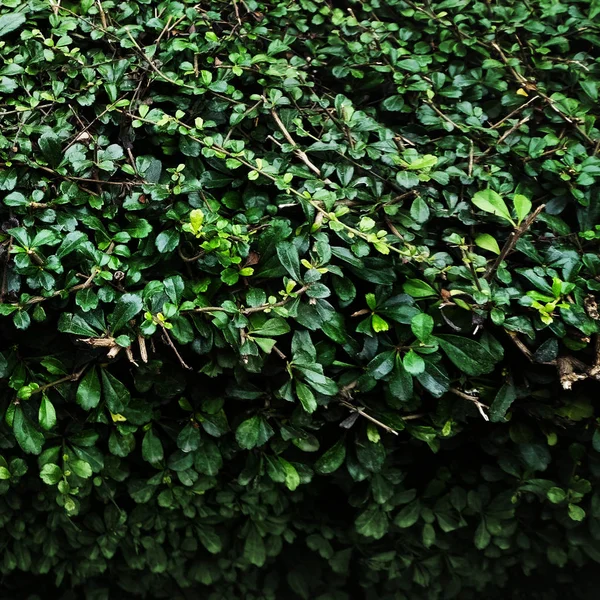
522 206
47 414
491 202
88 391
487 242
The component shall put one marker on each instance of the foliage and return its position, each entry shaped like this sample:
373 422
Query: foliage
299 298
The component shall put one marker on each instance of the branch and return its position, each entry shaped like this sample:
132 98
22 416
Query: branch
513 238
480 406
299 153
362 413
71 377
170 342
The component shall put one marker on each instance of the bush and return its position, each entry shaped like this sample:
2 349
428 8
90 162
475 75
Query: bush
299 301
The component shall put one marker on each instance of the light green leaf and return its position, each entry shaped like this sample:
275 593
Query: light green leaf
522 206
422 326
88 391
46 414
491 202
487 242
51 474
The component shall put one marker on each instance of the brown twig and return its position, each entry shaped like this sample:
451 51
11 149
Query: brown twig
480 406
71 377
299 153
514 112
362 413
174 348
513 238
503 137
102 14
143 350
444 116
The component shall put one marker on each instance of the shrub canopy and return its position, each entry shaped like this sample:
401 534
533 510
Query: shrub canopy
299 298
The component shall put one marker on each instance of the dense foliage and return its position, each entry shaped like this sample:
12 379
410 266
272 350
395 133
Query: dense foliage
298 299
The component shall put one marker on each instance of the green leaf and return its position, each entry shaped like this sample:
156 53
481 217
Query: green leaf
467 355
51 474
382 364
89 391
379 324
401 383
332 459
413 363
576 512
188 439
272 327
422 326
372 522
491 202
482 536
10 22
152 449
502 402
50 145
28 437
167 241
47 414
306 397
127 307
4 474
292 479
70 243
253 432
409 515
254 548
289 258
556 495
487 242
208 459
115 394
522 206
536 456
418 289
81 468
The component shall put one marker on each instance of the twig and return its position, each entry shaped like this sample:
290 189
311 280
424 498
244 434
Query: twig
279 353
299 153
470 171
513 238
143 350
102 14
520 345
503 137
444 116
71 377
480 406
164 30
237 12
362 413
514 112
174 348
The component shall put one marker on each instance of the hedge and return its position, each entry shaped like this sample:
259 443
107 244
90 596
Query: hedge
299 299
